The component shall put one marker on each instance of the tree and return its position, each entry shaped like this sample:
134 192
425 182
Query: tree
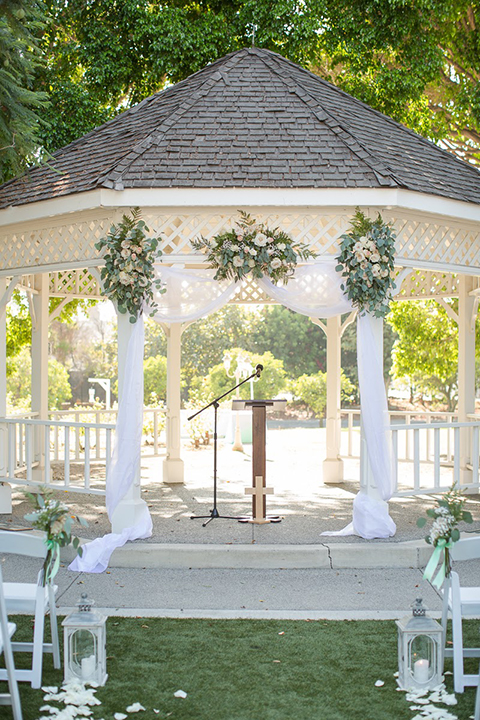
312 390
21 21
154 379
292 338
417 61
19 381
426 352
271 382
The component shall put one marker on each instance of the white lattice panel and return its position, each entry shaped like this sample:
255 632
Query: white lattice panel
436 243
319 231
249 293
70 243
426 284
74 283
58 244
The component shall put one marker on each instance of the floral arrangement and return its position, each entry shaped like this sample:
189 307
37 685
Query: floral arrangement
254 248
53 517
366 261
444 532
128 274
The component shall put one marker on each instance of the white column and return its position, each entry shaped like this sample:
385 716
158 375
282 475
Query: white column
130 509
173 466
466 371
40 320
5 488
333 464
367 482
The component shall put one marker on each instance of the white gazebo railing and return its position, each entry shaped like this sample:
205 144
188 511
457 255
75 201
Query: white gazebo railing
351 436
69 453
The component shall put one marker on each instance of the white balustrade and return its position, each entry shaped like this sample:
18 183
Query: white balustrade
77 447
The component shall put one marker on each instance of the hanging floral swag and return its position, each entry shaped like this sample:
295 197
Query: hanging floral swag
128 275
253 248
444 532
366 261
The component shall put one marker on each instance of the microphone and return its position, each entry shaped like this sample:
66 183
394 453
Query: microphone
259 369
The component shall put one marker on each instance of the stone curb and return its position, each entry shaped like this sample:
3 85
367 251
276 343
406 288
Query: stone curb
410 554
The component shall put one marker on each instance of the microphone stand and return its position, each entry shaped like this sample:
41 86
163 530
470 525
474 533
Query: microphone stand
214 514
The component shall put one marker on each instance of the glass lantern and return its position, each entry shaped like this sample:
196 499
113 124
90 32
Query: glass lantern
420 650
85 644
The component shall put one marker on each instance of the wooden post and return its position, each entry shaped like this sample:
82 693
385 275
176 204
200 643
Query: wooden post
40 320
5 488
466 372
130 509
173 465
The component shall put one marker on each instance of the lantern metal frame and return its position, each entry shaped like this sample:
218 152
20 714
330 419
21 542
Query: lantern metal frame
85 627
420 650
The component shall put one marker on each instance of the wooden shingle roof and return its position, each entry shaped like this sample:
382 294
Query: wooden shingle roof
250 119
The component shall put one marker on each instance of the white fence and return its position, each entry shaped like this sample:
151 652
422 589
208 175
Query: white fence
74 448
425 449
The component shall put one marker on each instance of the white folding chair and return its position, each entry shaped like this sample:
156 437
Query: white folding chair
34 599
461 602
6 631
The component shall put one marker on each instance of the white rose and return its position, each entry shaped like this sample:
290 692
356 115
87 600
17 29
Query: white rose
384 259
57 527
235 247
364 265
251 263
252 251
260 240
124 277
276 263
376 271
270 251
375 257
360 256
270 239
237 261
281 246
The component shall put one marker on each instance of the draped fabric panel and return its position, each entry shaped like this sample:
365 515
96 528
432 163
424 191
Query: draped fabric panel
190 294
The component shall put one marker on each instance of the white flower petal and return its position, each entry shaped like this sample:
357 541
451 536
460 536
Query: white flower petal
136 707
379 683
180 694
119 716
50 689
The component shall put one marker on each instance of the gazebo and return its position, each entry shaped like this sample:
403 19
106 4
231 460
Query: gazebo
252 131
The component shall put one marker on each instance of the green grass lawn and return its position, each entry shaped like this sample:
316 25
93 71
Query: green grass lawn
247 670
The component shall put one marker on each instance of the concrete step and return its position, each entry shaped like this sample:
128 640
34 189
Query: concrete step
335 555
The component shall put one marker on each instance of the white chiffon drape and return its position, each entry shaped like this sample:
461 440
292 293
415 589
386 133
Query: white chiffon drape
314 291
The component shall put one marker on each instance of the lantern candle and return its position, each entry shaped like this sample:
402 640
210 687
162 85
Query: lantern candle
88 667
421 671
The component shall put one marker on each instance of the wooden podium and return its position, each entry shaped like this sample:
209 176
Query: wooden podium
259 489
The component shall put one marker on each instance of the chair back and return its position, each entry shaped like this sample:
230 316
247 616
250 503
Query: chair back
3 613
467 548
23 543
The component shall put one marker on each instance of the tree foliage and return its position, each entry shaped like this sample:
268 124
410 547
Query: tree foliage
271 382
312 390
21 23
415 60
426 352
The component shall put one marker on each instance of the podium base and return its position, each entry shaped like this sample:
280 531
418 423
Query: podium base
261 521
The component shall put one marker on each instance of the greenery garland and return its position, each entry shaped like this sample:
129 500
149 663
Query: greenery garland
366 261
128 274
253 248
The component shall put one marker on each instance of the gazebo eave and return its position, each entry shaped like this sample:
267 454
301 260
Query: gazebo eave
421 204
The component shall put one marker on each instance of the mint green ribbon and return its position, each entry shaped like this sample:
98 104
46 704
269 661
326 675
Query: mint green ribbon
440 547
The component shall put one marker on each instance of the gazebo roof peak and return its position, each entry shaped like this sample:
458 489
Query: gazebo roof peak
251 119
